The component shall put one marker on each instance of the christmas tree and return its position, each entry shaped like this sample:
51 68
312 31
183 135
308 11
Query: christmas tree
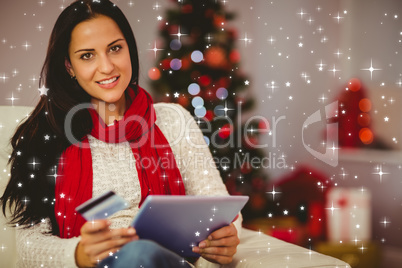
198 68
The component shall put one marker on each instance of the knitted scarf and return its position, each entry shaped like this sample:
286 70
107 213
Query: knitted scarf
149 146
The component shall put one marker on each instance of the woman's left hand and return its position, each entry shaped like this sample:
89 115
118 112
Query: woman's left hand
220 246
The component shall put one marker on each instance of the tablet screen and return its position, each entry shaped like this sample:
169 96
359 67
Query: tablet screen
180 222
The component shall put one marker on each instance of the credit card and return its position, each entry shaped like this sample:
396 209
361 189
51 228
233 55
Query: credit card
101 207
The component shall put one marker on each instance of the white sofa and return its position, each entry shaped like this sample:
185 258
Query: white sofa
255 250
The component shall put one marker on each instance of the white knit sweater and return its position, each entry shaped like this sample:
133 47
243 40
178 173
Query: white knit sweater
114 169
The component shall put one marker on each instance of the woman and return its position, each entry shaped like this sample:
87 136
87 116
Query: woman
91 133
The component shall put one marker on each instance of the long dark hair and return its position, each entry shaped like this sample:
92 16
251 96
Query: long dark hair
39 141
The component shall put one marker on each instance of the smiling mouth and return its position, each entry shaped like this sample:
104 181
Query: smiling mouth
109 81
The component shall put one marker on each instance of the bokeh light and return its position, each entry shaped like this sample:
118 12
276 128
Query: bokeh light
197 56
200 111
194 89
207 141
354 84
154 73
218 110
175 64
197 102
175 44
222 93
366 136
225 131
365 105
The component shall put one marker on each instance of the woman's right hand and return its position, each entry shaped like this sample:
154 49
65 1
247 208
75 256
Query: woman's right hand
98 241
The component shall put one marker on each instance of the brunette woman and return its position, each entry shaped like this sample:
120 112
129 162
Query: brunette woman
97 130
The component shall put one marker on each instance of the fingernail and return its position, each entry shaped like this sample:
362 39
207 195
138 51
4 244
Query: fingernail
202 244
209 237
196 250
131 231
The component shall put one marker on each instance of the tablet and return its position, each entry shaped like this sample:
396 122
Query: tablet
180 222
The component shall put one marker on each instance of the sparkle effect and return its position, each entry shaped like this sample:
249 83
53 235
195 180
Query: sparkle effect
155 49
332 208
43 90
371 69
179 34
385 222
273 192
12 99
246 40
380 172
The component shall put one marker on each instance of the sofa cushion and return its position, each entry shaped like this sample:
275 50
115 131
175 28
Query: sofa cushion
255 249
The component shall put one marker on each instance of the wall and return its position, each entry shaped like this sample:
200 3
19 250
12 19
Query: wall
368 32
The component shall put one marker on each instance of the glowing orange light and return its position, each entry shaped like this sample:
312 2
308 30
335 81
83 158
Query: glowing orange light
366 136
365 105
354 84
154 73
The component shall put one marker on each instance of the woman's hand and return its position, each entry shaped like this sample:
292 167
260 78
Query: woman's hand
220 246
98 242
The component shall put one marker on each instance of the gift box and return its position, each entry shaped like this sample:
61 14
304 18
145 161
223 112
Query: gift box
302 193
348 215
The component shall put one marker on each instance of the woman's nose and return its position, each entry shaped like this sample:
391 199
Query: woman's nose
105 65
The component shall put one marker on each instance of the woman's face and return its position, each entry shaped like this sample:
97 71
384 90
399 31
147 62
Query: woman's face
100 59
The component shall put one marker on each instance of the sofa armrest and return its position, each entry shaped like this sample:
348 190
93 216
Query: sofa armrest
260 250
10 116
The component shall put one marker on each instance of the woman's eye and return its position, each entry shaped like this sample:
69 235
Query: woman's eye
86 56
115 48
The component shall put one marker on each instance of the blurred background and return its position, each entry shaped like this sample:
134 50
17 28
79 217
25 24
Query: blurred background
320 81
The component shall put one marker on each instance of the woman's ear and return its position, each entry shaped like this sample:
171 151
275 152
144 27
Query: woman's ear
69 68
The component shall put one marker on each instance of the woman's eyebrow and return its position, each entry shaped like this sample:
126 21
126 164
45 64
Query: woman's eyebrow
120 39
91 49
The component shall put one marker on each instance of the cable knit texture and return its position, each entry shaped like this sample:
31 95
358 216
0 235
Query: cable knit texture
114 169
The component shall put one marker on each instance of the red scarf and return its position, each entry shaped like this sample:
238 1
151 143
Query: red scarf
74 175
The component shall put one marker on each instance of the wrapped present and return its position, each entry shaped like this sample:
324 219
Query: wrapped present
303 195
348 215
